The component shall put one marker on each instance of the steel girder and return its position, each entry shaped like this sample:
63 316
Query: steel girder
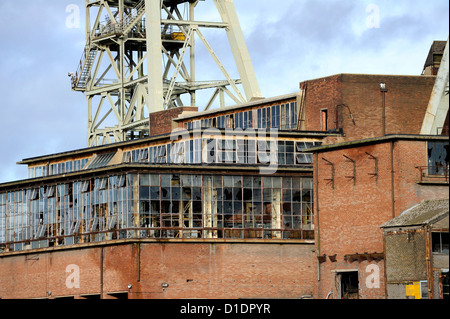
140 58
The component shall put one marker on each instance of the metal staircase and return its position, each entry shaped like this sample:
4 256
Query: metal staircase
81 77
125 26
130 20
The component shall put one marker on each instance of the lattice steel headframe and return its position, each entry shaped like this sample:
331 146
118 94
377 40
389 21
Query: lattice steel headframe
140 58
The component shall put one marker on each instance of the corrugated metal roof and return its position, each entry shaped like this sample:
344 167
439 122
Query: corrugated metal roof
427 212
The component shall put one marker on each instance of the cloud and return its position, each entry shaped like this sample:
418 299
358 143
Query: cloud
289 41
39 112
311 39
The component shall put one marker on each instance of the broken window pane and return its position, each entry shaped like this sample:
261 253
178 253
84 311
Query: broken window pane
438 161
224 206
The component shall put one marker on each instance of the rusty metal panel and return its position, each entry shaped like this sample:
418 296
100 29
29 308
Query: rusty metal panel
406 256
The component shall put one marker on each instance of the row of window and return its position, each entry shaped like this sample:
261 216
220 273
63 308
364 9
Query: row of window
282 117
55 169
195 151
198 151
157 206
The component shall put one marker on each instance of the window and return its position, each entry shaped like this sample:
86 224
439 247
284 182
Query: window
324 120
31 172
161 154
440 242
293 115
277 117
227 151
285 153
438 161
248 119
259 124
101 160
303 157
189 152
143 155
238 121
102 183
158 206
178 153
246 151
84 186
221 122
197 151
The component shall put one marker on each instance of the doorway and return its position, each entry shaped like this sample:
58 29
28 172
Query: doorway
349 285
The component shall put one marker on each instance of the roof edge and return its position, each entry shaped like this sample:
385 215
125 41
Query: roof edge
374 140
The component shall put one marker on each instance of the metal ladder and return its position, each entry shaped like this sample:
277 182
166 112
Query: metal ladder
79 81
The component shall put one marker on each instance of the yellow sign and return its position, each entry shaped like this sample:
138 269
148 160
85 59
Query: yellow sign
413 290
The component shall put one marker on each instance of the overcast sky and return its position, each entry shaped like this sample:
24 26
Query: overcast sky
289 41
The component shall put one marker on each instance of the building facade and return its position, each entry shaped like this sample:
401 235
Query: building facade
190 213
416 244
276 198
359 186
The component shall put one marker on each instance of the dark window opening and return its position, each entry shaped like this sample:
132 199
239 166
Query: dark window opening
119 295
349 285
440 242
438 161
324 120
94 297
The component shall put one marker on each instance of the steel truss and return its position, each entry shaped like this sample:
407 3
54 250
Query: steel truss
136 62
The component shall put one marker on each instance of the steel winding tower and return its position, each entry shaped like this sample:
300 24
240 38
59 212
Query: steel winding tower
140 58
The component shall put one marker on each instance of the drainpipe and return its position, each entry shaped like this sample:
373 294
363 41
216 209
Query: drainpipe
101 271
429 261
392 179
383 121
316 204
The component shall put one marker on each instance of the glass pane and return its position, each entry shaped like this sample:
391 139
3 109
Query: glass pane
144 193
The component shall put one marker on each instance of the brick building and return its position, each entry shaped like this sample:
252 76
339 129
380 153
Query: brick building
417 249
276 198
356 106
359 186
186 214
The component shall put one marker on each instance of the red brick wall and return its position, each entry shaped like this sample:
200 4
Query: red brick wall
161 122
192 270
323 93
354 103
349 216
407 156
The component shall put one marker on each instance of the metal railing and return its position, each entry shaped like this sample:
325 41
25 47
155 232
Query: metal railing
79 79
434 173
158 233
110 27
